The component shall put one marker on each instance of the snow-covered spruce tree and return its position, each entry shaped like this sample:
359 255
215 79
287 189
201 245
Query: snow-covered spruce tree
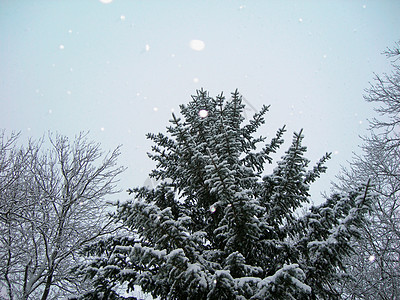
216 227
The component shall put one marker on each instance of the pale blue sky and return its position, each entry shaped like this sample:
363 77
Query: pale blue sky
119 69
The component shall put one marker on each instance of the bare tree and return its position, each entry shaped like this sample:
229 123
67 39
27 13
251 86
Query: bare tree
12 162
52 203
375 267
386 93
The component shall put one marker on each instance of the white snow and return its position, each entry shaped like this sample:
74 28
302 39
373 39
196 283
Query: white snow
285 271
127 272
194 268
242 281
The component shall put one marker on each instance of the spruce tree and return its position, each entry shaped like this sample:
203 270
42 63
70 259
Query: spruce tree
216 226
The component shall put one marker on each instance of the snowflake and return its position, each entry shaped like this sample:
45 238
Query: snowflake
203 113
213 209
197 45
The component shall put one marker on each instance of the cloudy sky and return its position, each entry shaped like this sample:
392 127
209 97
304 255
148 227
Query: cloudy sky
118 69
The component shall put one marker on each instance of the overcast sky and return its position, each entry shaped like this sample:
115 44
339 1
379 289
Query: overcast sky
118 69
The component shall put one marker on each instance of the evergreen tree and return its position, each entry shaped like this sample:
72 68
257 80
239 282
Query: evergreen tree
217 227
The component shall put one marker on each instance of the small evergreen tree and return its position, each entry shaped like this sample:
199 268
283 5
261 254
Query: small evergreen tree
217 227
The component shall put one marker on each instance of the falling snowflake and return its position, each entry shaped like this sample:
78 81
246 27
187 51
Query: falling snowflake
155 108
197 45
300 20
371 258
106 1
102 129
195 80
122 17
147 47
203 113
213 209
61 47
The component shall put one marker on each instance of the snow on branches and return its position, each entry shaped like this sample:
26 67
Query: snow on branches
218 227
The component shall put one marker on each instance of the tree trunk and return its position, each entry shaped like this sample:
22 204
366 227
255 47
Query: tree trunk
49 281
9 286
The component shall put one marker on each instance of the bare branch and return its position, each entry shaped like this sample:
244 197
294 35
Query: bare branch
52 202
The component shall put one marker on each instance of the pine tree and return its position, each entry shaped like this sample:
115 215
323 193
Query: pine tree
217 227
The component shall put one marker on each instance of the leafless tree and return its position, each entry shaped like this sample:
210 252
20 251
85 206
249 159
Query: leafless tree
375 267
12 163
52 203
